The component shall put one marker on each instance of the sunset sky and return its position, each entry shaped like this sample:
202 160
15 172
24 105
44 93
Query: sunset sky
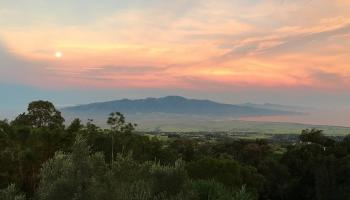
77 51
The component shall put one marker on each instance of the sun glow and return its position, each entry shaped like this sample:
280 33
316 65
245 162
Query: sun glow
58 54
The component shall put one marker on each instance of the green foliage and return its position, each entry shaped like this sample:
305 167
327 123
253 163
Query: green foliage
11 193
226 171
185 148
315 136
75 126
40 114
118 124
169 180
242 194
80 175
276 178
67 176
44 114
250 152
46 161
21 120
212 190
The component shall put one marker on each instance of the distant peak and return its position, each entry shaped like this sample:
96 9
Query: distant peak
174 104
173 97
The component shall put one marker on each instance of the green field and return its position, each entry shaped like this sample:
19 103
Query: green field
189 125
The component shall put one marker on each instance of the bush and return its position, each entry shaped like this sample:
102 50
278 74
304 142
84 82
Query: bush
11 193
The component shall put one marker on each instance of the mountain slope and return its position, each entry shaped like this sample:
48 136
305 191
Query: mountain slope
172 105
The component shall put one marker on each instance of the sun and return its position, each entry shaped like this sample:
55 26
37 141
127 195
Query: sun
58 54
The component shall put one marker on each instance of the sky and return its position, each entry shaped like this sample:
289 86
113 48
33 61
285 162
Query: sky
294 52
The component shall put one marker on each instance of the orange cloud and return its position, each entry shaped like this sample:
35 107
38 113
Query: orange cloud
269 44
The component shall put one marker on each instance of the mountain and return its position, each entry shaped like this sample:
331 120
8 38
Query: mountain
173 105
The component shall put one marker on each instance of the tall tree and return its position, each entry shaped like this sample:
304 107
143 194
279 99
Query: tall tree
116 121
44 114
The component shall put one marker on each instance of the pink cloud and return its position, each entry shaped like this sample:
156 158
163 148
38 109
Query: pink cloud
225 44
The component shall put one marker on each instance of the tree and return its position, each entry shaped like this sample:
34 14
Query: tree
315 136
117 122
44 114
302 162
21 120
75 126
83 175
184 147
226 171
169 180
346 143
40 114
276 178
68 176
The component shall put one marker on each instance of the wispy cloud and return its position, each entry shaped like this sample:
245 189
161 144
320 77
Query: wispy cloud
180 44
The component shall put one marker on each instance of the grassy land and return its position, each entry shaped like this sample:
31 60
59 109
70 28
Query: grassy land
235 126
182 124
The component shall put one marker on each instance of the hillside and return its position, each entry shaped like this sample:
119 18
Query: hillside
172 105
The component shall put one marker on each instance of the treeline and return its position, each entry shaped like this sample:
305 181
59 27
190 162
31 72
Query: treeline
41 159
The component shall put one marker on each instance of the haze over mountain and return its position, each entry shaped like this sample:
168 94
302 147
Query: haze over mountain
176 105
180 114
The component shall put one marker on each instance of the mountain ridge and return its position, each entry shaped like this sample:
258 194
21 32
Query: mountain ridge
175 105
